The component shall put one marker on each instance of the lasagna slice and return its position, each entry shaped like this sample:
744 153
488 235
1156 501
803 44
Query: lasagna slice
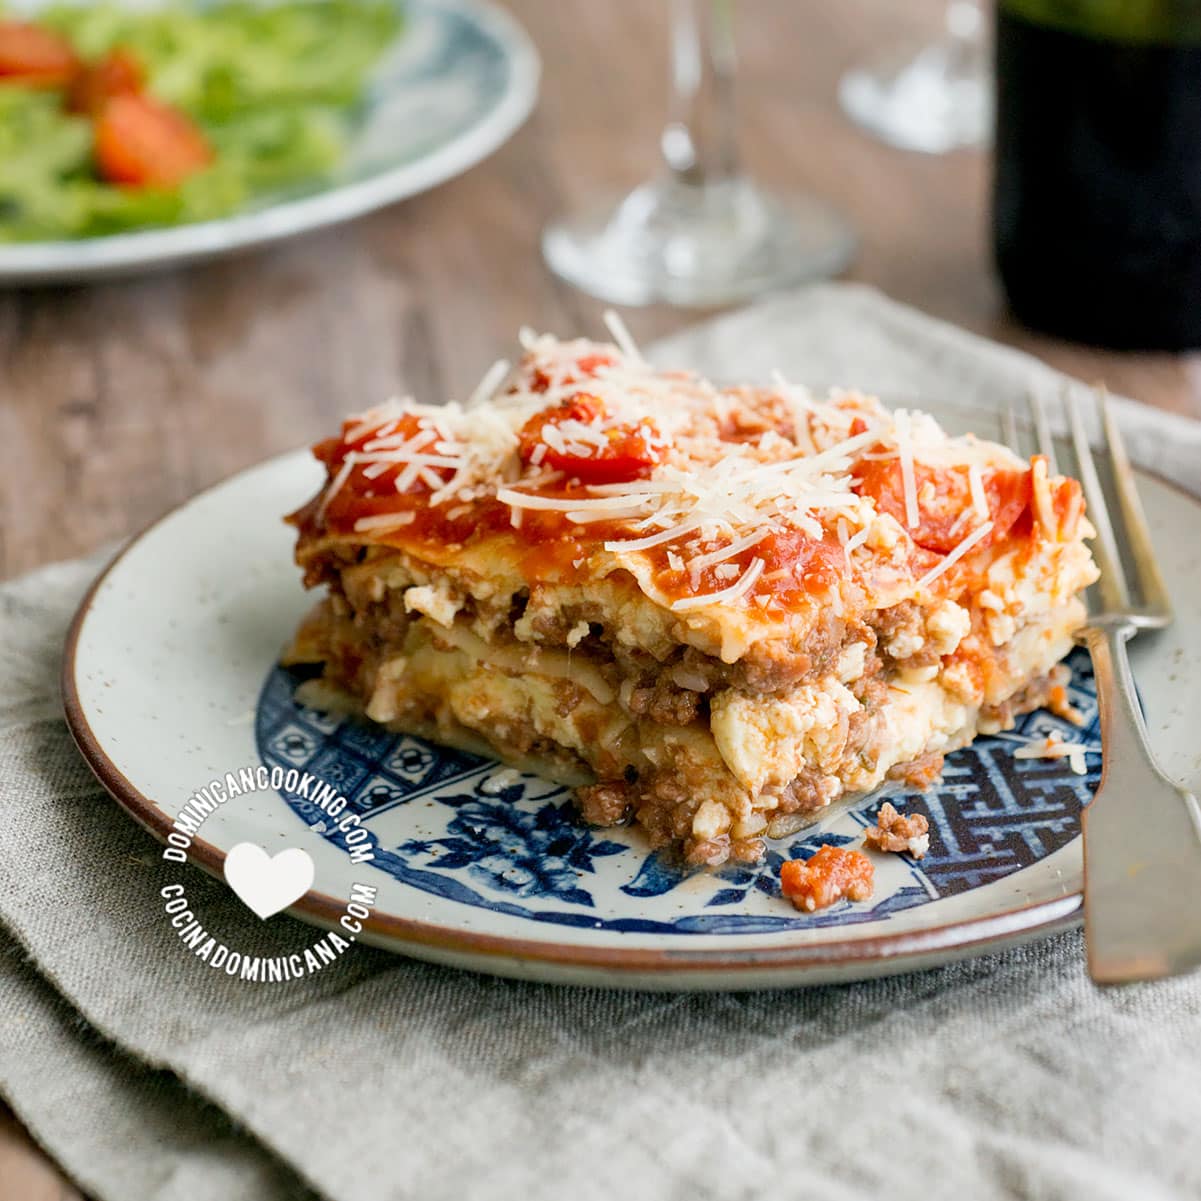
713 611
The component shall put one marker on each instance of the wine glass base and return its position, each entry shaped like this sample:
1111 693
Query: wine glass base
934 100
697 247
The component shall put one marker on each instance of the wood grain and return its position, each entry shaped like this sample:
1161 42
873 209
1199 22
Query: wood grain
118 401
25 1173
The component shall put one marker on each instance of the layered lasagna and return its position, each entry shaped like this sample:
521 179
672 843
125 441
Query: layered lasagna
713 611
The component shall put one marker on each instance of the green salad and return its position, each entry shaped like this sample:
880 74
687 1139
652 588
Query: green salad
112 119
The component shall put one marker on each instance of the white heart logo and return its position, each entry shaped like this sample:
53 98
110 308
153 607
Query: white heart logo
268 883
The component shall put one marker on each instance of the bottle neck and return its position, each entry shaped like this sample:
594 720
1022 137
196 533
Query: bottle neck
1134 22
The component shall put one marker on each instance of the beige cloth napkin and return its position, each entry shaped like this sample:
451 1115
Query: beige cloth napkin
147 1076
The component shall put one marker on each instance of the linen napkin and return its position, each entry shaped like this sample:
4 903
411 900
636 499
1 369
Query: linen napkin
147 1076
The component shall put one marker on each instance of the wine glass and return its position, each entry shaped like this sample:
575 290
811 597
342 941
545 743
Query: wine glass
701 233
936 99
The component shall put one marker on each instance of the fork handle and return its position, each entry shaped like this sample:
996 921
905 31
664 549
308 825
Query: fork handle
1142 839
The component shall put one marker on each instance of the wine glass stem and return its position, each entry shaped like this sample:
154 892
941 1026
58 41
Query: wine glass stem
699 141
965 20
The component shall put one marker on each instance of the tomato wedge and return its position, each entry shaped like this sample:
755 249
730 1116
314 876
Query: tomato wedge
940 527
35 57
628 452
144 143
119 73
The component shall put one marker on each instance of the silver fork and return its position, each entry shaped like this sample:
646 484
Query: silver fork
1142 833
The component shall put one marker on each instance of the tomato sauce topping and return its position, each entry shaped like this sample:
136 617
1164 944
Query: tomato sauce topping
552 544
578 439
1068 503
585 367
379 489
831 875
587 448
941 527
796 566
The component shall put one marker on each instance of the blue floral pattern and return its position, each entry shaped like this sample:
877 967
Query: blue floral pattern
540 852
464 829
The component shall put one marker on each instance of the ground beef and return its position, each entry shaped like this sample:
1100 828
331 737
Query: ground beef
898 833
905 617
666 808
747 850
568 696
384 623
551 627
864 726
805 794
667 703
908 617
918 773
770 667
324 566
713 852
775 666
606 804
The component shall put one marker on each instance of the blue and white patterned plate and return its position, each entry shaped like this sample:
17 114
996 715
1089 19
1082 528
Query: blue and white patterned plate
459 80
170 681
464 829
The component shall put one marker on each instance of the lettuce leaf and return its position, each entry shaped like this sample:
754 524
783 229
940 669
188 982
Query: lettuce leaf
272 86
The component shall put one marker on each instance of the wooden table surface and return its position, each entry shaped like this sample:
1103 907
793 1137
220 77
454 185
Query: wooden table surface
118 401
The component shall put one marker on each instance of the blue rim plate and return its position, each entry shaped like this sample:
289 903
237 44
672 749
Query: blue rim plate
170 680
459 81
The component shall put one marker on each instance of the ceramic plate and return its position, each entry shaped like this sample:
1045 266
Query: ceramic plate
170 680
461 77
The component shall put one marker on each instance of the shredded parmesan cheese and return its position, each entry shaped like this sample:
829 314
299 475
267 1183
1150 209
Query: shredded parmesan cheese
729 550
1053 746
975 478
567 504
1040 488
492 380
384 521
854 542
621 336
979 533
728 469
742 585
374 418
904 436
335 486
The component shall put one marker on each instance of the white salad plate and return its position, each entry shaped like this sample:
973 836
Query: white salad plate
170 680
459 80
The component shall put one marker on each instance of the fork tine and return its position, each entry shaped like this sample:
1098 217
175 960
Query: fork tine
1138 534
1042 428
1114 593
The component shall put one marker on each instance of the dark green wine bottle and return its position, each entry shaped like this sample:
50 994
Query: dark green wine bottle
1097 185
